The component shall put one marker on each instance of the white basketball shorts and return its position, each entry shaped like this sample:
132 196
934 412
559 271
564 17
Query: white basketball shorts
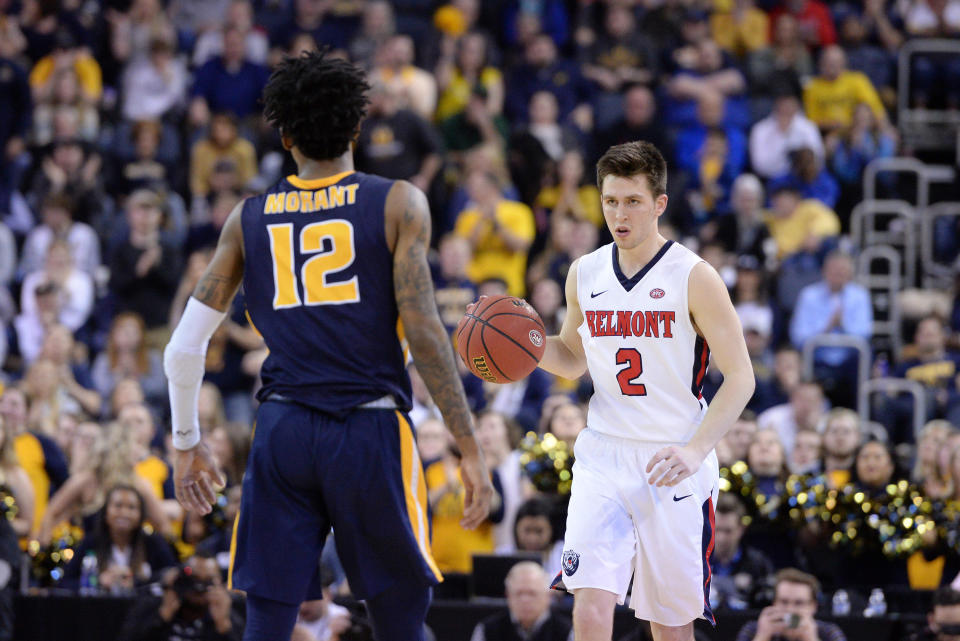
618 526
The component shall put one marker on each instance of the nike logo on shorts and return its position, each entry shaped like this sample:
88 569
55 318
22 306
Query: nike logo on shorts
681 498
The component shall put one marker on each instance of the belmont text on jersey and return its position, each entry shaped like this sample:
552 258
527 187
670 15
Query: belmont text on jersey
624 323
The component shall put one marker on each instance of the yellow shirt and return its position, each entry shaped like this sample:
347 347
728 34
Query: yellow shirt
743 37
86 68
491 256
155 472
810 218
587 195
829 102
454 98
453 547
29 453
205 157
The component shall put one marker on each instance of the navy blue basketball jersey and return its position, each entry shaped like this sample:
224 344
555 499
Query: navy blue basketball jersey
318 281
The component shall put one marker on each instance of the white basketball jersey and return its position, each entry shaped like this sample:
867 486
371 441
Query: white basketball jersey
646 361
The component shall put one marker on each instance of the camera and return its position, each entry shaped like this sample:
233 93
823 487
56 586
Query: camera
791 620
186 583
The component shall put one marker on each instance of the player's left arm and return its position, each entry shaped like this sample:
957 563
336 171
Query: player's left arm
713 314
195 474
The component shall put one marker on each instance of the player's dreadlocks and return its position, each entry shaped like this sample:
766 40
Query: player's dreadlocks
318 102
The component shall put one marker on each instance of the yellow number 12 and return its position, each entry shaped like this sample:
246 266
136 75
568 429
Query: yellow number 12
313 274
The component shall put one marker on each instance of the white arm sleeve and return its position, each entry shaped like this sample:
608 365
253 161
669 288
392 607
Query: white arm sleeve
183 363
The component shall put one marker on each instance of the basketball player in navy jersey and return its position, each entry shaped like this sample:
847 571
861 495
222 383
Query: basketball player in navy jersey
641 313
334 269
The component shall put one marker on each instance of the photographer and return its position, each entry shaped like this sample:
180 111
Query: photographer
195 605
791 615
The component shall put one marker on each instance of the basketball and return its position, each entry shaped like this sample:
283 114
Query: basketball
501 339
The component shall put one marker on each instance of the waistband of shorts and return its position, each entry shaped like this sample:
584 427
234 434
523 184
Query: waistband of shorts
630 442
383 403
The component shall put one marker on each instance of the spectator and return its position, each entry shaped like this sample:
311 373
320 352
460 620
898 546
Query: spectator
791 616
767 460
535 148
230 82
127 556
194 603
66 54
528 615
804 412
932 365
148 154
927 472
458 77
638 123
230 443
12 558
496 435
740 30
876 62
546 296
155 83
452 288
69 167
707 72
778 68
838 305
313 18
433 439
453 546
475 125
813 18
854 147
500 232
396 142
126 355
377 26
742 230
841 439
934 76
131 33
239 15
831 97
620 56
15 112
566 421
16 482
222 144
74 378
40 457
798 224
414 88
808 176
807 452
543 70
943 621
56 212
322 618
571 195
73 287
65 102
735 444
144 270
8 261
738 572
785 130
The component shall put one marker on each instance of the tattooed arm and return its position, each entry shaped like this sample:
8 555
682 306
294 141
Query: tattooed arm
195 474
408 235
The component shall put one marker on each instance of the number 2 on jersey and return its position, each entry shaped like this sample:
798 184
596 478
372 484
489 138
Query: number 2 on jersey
314 273
634 367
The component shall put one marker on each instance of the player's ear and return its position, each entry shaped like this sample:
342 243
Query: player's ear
660 204
286 141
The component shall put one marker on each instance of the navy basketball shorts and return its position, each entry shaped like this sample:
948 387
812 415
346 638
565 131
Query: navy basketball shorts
309 471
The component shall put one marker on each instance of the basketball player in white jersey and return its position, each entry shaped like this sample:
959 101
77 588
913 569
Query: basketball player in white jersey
641 313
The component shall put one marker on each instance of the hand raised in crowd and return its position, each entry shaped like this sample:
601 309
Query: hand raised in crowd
219 604
770 623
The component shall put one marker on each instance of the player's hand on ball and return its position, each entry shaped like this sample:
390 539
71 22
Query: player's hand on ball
672 464
196 478
477 490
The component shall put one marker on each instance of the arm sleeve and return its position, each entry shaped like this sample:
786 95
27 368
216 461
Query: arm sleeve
867 94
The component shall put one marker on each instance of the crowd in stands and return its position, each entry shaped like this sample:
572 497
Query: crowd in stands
129 129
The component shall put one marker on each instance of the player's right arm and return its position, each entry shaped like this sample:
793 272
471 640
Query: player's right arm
564 354
195 474
408 231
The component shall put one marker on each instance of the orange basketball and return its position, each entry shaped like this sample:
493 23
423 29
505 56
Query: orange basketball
502 339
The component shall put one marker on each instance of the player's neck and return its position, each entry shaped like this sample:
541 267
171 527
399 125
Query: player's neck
310 169
635 259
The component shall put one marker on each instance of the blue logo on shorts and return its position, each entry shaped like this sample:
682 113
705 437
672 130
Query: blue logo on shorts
571 561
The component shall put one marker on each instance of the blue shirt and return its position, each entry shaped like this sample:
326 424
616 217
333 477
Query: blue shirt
237 92
823 188
815 307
